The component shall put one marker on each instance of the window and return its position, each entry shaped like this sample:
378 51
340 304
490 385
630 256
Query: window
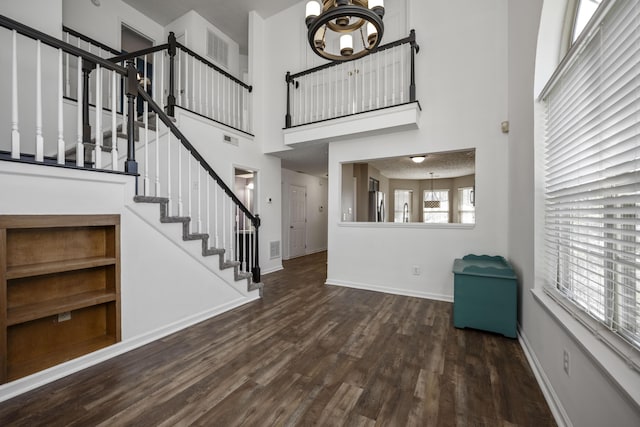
402 205
584 12
592 181
466 205
438 213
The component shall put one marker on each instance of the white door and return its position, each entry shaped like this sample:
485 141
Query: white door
297 220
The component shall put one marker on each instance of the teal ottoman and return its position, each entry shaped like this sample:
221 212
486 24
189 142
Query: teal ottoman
485 293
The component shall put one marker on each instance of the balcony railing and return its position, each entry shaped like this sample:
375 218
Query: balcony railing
384 78
174 75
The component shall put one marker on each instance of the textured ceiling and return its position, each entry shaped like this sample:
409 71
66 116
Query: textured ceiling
443 165
229 16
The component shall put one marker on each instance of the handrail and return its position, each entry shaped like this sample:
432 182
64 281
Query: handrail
294 80
411 38
255 220
90 40
137 53
215 67
58 44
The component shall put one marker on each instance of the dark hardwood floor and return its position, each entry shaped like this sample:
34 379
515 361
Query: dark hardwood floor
306 354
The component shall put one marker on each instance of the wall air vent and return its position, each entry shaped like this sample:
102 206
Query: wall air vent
230 140
274 250
217 49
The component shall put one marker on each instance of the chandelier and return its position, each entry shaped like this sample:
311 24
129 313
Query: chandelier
352 22
432 201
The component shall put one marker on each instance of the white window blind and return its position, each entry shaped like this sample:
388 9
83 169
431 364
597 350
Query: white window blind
439 214
466 205
592 180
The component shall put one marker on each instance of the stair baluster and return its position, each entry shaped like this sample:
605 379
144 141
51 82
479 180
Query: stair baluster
15 129
114 123
61 144
39 138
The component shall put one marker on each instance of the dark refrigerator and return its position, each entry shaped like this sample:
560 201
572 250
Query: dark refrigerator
376 206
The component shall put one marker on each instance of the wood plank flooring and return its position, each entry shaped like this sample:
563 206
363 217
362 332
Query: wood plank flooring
306 354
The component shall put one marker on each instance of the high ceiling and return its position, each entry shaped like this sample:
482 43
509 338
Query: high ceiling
229 16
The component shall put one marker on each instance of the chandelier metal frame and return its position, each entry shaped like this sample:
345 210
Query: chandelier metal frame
337 16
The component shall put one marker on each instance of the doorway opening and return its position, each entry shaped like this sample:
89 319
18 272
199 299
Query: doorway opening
133 41
245 187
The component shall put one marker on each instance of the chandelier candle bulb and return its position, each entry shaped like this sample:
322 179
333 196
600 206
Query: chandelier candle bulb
346 45
313 9
376 4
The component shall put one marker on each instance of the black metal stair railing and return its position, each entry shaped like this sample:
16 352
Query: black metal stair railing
177 172
169 169
385 78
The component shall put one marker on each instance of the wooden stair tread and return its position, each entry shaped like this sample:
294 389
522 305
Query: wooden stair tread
29 270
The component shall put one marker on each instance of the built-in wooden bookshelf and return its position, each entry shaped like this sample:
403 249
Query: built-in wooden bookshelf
60 289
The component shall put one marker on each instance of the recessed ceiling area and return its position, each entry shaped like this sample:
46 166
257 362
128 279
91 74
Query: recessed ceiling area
311 159
229 16
449 164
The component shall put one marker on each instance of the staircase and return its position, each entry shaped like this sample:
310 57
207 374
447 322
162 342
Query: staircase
207 250
169 167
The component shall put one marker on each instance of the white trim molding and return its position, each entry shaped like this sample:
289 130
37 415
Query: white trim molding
389 290
555 405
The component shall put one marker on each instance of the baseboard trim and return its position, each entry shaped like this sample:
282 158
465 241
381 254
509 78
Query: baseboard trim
558 411
272 270
388 290
22 385
311 252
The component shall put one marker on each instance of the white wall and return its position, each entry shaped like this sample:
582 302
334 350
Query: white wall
195 28
589 396
103 23
461 83
48 18
316 209
163 288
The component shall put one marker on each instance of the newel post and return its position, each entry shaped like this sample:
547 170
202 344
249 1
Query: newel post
87 67
414 49
287 118
256 267
131 166
171 97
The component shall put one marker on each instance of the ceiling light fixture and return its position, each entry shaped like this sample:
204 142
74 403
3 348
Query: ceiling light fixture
432 201
418 159
332 20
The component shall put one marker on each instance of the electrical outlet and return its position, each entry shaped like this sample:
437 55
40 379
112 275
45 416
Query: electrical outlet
415 270
63 317
565 361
